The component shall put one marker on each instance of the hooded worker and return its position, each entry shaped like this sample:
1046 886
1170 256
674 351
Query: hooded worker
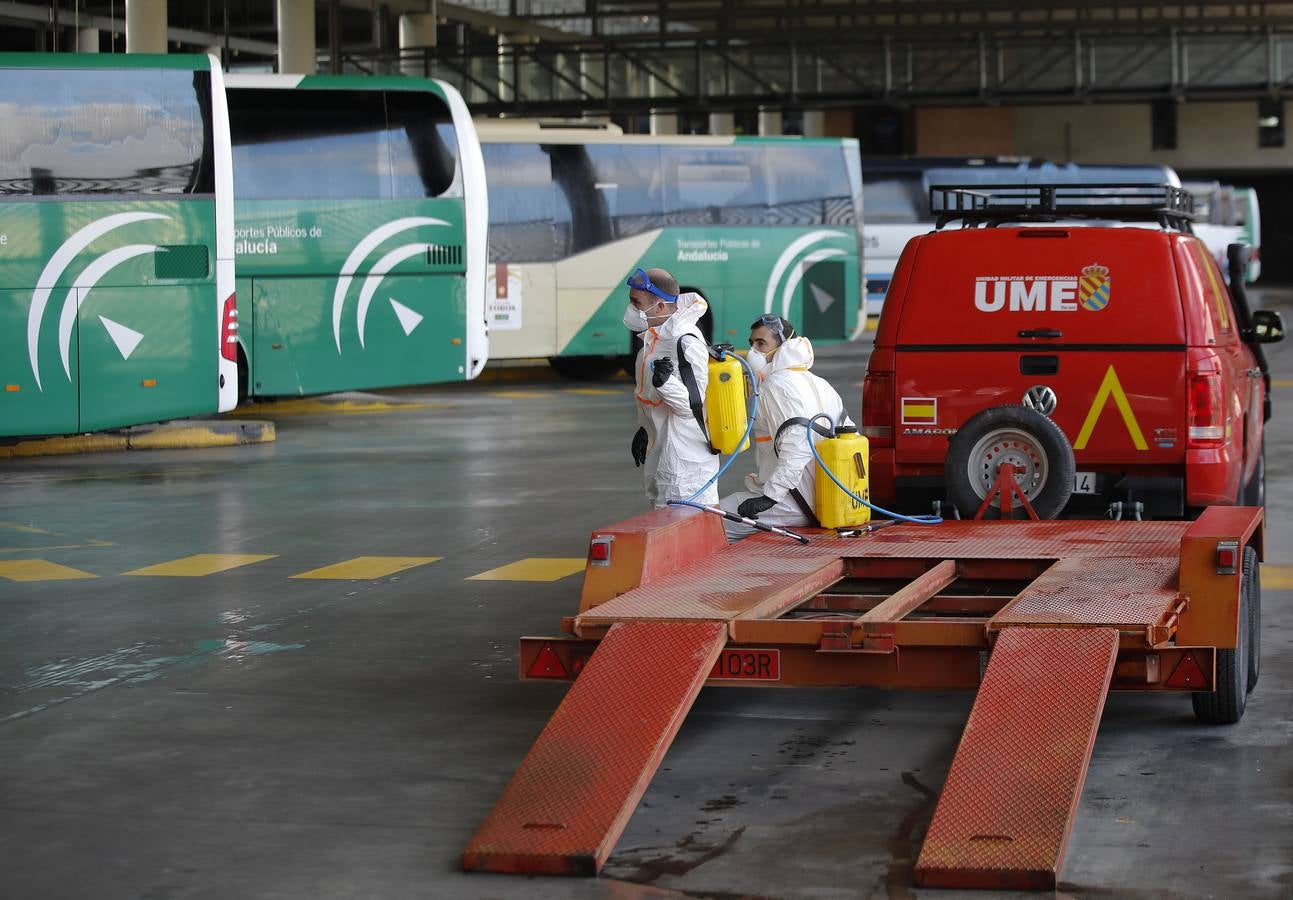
782 491
670 442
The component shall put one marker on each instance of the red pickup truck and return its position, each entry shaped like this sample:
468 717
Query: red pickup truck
1126 338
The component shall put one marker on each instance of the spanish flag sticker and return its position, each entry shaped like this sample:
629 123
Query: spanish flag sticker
919 410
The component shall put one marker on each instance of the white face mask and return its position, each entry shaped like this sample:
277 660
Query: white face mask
635 320
757 361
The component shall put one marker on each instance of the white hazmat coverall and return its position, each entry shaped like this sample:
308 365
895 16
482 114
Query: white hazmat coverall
678 458
786 390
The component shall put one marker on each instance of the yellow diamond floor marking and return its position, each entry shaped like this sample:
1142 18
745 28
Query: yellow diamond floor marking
366 568
593 392
39 570
201 564
547 568
1277 578
1282 383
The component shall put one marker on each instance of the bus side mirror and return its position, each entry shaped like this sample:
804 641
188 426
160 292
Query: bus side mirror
1268 326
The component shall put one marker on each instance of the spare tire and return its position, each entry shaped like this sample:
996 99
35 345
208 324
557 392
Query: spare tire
1010 434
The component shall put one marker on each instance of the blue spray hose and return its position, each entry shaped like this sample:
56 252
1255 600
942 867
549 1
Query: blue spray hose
917 520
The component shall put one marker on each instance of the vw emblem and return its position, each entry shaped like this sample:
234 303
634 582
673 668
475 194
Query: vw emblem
1042 399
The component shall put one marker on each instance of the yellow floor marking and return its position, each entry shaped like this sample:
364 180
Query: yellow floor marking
517 395
341 407
592 392
38 549
533 569
1277 578
366 568
201 564
39 570
1282 383
30 529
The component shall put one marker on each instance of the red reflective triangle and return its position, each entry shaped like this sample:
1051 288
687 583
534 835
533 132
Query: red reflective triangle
547 664
1187 674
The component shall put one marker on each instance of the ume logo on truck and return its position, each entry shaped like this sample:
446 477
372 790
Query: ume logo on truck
1040 293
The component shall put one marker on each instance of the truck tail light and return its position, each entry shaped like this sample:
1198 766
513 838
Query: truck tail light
1207 411
877 408
229 330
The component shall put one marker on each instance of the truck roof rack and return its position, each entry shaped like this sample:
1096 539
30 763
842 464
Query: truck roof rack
995 204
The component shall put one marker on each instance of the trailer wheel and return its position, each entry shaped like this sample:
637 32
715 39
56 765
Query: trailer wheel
1017 435
1225 705
1253 577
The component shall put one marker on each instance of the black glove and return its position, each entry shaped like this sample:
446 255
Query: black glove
639 447
751 508
663 369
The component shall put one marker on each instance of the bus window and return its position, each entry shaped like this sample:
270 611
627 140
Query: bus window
809 185
424 152
714 185
340 145
522 205
893 197
105 132
628 178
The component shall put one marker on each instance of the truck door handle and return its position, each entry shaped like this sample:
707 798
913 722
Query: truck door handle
1254 373
1041 333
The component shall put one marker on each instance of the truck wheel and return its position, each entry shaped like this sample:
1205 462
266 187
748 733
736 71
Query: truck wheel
1013 434
1255 490
1225 705
1253 578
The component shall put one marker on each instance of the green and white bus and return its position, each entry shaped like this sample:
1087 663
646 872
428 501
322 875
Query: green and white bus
754 224
116 242
361 233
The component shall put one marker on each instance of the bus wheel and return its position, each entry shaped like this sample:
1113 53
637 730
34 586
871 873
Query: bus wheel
586 368
243 376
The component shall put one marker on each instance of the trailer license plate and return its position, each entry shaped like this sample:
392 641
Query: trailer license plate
748 665
1084 483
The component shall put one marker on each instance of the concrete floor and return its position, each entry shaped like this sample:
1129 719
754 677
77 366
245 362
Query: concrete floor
251 734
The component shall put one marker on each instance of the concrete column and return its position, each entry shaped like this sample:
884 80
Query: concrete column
145 26
662 122
769 121
722 123
417 32
296 51
87 40
814 123
509 70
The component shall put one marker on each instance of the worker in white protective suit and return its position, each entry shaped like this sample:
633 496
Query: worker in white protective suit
782 491
670 443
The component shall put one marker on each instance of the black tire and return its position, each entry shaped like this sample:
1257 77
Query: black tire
1225 705
1255 490
586 368
243 376
1253 576
1010 434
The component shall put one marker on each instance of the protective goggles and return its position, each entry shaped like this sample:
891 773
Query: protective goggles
773 324
639 281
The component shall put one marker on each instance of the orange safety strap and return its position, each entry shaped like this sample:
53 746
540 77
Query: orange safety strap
655 339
